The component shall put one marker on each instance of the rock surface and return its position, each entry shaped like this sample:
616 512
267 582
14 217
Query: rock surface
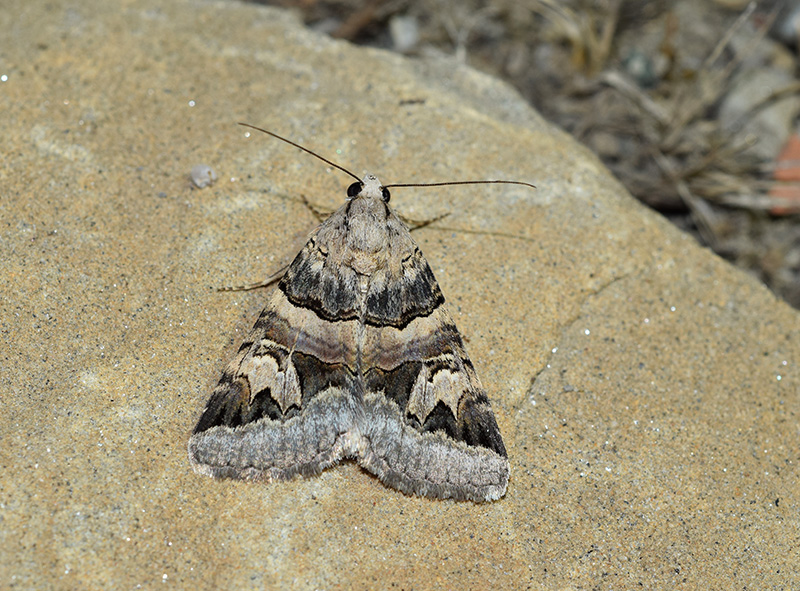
647 391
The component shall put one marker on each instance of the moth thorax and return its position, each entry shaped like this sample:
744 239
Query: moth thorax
365 234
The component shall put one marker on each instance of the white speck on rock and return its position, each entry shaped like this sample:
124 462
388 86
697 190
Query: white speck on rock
202 176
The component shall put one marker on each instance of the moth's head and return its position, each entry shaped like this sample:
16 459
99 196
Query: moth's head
369 187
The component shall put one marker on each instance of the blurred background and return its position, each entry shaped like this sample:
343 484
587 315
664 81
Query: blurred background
692 104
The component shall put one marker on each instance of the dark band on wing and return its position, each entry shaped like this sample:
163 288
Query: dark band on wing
315 376
397 303
331 292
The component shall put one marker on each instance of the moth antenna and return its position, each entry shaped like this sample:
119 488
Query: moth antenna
446 183
343 169
299 147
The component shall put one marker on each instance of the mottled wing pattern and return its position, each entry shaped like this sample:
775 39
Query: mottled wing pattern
428 424
290 401
356 356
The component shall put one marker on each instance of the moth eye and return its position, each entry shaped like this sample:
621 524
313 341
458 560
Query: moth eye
386 195
354 189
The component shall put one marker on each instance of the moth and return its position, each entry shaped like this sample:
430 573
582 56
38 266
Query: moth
355 356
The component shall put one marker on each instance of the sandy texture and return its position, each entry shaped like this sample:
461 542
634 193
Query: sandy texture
647 391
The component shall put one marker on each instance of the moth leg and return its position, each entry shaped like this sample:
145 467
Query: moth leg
275 277
278 275
417 224
318 213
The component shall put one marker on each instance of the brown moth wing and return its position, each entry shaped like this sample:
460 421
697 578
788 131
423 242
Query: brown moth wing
428 423
290 401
